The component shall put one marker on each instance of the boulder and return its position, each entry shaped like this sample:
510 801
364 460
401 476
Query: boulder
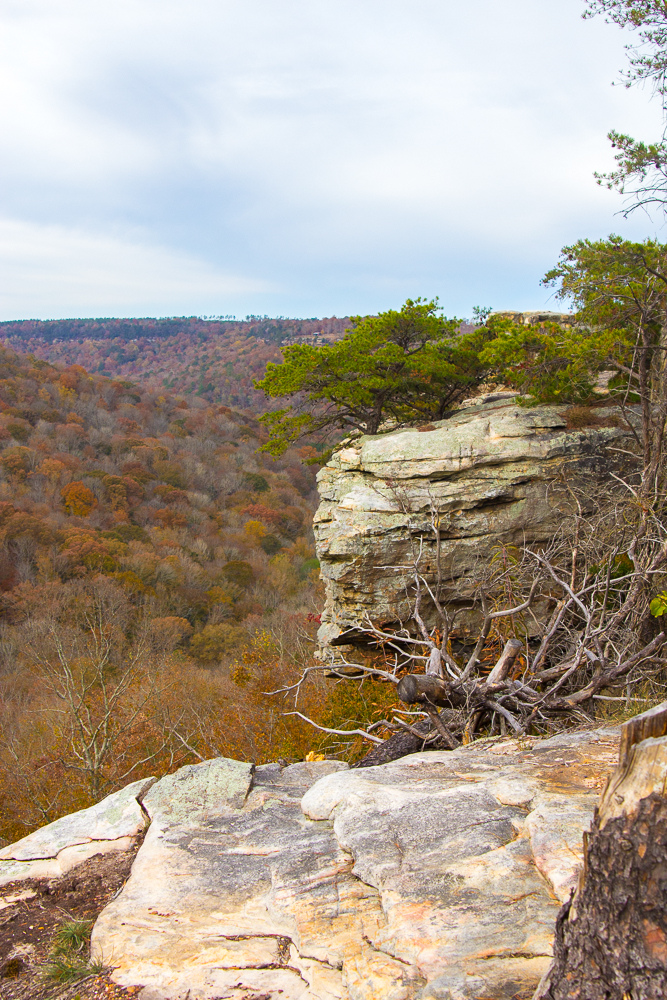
491 473
435 877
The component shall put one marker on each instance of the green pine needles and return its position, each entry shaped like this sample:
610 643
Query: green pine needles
619 289
404 366
69 956
411 366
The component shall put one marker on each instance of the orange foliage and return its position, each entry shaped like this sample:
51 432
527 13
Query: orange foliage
83 549
69 380
78 499
171 629
116 491
163 528
255 530
16 461
136 471
52 468
19 524
170 494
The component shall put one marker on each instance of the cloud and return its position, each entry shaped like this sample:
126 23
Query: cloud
54 272
349 152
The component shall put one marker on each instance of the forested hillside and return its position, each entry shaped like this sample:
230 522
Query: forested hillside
215 359
156 575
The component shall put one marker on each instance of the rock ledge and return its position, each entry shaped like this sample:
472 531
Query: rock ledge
436 876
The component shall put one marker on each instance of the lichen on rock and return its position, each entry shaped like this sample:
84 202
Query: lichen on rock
438 875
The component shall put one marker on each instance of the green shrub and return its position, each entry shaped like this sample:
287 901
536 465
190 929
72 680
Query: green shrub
238 572
127 533
256 482
171 473
271 544
20 432
214 641
307 567
659 605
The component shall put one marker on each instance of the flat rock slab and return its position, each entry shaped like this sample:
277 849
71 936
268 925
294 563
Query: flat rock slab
109 825
435 877
65 860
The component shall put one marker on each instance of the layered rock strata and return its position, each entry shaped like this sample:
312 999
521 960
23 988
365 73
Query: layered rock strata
111 825
437 876
491 474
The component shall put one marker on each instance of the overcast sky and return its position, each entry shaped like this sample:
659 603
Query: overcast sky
301 157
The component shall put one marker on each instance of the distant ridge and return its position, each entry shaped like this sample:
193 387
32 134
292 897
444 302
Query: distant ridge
276 329
217 359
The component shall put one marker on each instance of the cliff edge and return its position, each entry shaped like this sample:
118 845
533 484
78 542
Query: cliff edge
494 473
436 876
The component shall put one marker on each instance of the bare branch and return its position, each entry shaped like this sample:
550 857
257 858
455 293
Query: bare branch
338 732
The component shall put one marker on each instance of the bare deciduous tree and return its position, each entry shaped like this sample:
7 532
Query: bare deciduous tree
102 674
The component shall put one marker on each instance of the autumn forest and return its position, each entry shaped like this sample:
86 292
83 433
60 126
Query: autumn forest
157 573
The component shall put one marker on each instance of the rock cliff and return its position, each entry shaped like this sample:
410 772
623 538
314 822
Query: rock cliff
492 473
436 877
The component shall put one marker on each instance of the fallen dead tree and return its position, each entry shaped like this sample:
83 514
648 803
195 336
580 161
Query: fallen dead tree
593 645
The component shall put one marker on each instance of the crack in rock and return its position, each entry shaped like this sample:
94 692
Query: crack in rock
425 877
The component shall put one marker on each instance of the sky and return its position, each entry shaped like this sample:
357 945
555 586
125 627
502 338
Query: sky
302 157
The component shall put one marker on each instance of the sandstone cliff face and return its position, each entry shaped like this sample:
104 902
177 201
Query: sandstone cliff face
492 473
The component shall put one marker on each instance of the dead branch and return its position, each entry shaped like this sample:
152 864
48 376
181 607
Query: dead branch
338 732
597 575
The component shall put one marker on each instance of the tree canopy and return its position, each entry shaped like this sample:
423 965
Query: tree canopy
648 60
619 289
641 167
406 365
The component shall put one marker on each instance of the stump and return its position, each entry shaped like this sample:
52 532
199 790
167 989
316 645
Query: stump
611 937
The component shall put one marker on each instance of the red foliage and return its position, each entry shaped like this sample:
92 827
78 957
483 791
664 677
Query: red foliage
170 494
260 512
170 518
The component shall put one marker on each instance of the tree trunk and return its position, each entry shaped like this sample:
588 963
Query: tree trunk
401 744
611 938
416 689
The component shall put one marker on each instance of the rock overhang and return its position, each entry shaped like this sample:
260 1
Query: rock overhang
493 473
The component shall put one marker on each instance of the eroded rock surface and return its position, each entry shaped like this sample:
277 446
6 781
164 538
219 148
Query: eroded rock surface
491 473
435 877
112 824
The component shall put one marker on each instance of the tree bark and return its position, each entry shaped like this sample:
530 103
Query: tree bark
401 744
502 668
397 746
416 689
611 938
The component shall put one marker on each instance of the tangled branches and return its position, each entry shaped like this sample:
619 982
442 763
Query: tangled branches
580 633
